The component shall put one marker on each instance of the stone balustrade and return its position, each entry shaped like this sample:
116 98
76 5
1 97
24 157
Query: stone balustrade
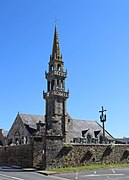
55 93
57 73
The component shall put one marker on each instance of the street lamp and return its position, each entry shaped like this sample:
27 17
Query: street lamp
103 120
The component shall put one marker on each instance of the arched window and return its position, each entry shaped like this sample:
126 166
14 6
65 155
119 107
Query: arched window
52 84
61 84
58 82
58 67
52 67
49 86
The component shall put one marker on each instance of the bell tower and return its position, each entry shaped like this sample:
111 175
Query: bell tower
56 95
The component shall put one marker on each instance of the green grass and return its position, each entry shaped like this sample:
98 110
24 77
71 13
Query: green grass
88 167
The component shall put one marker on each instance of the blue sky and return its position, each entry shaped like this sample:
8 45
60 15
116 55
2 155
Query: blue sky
94 42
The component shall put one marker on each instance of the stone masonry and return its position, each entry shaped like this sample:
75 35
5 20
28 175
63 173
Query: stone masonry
79 155
57 155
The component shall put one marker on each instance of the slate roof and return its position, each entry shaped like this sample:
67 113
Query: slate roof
90 126
31 120
122 140
78 125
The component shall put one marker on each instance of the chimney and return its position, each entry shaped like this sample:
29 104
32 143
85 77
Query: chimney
40 125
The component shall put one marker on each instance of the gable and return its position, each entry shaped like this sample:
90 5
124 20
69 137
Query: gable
18 128
25 125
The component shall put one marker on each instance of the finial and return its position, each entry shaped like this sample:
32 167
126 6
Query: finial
55 21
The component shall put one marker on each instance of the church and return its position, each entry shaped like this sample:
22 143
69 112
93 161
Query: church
56 122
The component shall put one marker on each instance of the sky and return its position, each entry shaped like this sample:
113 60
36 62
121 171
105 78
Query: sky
94 42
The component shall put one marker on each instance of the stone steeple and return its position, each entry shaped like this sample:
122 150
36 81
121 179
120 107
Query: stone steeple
56 95
56 47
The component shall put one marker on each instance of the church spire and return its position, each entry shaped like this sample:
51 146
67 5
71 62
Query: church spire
56 47
56 95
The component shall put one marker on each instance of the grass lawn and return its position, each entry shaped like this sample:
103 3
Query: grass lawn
88 167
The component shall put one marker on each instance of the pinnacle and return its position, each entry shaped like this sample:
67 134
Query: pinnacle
56 47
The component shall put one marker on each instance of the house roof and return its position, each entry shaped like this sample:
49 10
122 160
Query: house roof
89 126
122 140
31 120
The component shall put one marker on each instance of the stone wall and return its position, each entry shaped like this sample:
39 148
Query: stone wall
28 155
53 148
52 153
39 158
78 155
17 155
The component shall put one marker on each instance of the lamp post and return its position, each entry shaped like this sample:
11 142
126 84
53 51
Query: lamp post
103 120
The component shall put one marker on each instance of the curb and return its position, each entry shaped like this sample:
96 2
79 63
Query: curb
29 169
46 173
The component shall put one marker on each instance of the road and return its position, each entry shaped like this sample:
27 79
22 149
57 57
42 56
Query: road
11 173
105 174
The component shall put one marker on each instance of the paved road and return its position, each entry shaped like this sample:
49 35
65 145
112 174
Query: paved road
9 173
108 174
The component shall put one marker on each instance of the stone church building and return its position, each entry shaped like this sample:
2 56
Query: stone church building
56 123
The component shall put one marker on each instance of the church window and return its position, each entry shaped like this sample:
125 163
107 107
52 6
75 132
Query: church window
26 139
61 84
58 82
1 144
17 133
52 67
52 84
58 67
48 86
